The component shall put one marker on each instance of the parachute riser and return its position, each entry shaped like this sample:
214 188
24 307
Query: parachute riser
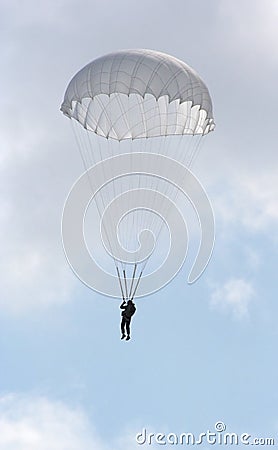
128 294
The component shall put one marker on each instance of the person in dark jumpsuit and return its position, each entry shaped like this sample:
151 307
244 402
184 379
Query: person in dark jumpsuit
128 311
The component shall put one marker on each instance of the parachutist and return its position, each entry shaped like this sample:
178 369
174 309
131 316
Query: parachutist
128 311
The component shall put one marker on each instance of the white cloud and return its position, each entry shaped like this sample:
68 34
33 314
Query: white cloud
36 423
33 270
250 200
233 297
253 26
37 168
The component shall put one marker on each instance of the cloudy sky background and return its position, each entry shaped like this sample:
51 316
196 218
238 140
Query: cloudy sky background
200 353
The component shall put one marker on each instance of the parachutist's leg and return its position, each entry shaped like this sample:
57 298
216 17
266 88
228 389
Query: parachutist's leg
128 327
123 327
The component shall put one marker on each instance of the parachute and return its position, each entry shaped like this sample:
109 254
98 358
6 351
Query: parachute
137 102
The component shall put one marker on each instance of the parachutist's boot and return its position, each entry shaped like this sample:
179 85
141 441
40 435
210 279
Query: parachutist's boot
128 337
123 336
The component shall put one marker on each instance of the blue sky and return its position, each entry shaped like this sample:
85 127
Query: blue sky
200 353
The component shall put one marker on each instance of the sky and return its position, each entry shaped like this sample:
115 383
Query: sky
199 353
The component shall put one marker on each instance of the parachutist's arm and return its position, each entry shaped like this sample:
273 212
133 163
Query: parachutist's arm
123 305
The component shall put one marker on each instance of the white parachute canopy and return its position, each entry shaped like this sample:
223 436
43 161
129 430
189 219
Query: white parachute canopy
139 94
127 97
